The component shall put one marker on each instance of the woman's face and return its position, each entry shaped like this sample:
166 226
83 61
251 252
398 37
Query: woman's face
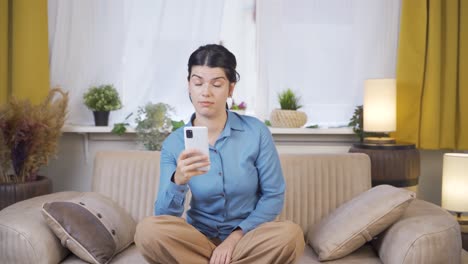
209 88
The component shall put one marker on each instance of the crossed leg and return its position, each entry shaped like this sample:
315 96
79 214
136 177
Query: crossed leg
170 239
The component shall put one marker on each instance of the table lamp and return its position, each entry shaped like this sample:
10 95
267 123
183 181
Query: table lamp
379 110
455 183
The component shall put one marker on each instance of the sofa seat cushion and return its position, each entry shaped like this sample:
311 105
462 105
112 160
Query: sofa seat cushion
363 255
91 225
24 234
358 221
129 255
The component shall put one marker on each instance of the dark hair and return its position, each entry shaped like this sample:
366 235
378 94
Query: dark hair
213 55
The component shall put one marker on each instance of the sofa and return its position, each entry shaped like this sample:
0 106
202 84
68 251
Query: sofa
317 184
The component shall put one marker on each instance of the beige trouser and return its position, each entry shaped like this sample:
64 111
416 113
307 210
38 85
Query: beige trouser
170 240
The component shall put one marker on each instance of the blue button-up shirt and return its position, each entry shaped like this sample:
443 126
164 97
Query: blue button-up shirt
243 188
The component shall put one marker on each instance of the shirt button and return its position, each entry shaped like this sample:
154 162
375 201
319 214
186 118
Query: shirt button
222 194
220 173
215 151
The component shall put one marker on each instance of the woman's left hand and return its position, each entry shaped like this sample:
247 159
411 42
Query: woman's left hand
223 253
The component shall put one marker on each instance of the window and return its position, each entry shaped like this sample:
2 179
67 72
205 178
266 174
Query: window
322 49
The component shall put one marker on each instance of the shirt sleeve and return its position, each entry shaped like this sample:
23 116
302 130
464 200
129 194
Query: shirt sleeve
271 182
171 197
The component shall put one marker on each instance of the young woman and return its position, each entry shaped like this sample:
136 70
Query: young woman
234 204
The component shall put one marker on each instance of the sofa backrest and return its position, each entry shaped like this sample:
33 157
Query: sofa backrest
316 183
130 178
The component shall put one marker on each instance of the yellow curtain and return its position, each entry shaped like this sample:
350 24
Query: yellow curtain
24 53
432 74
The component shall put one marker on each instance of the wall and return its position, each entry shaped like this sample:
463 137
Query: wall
430 182
72 169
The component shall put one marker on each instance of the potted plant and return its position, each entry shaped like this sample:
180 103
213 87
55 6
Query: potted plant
238 108
29 136
101 100
288 116
154 124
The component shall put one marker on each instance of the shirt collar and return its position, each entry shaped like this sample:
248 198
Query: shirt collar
234 121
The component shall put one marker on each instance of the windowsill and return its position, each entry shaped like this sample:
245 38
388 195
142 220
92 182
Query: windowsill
274 130
287 139
91 129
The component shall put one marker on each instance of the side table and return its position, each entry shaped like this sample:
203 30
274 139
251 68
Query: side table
395 164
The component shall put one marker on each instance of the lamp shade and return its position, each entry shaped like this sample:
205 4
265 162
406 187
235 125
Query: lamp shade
379 105
455 182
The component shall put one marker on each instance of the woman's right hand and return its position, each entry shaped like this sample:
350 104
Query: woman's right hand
189 162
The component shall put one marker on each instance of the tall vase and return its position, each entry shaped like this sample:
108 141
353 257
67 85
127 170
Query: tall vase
101 118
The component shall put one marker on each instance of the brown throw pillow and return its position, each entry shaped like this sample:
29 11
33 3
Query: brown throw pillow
359 220
92 226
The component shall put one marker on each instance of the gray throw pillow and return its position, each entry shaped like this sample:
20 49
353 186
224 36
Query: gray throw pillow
358 221
91 225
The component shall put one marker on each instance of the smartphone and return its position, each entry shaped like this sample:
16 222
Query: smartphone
197 138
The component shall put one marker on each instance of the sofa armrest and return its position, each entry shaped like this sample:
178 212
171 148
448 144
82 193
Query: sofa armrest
24 234
426 233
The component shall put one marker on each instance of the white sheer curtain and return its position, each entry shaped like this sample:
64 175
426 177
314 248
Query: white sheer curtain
141 47
324 50
238 34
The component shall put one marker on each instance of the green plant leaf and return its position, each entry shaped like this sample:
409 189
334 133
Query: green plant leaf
119 128
102 98
177 124
288 100
153 125
357 123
